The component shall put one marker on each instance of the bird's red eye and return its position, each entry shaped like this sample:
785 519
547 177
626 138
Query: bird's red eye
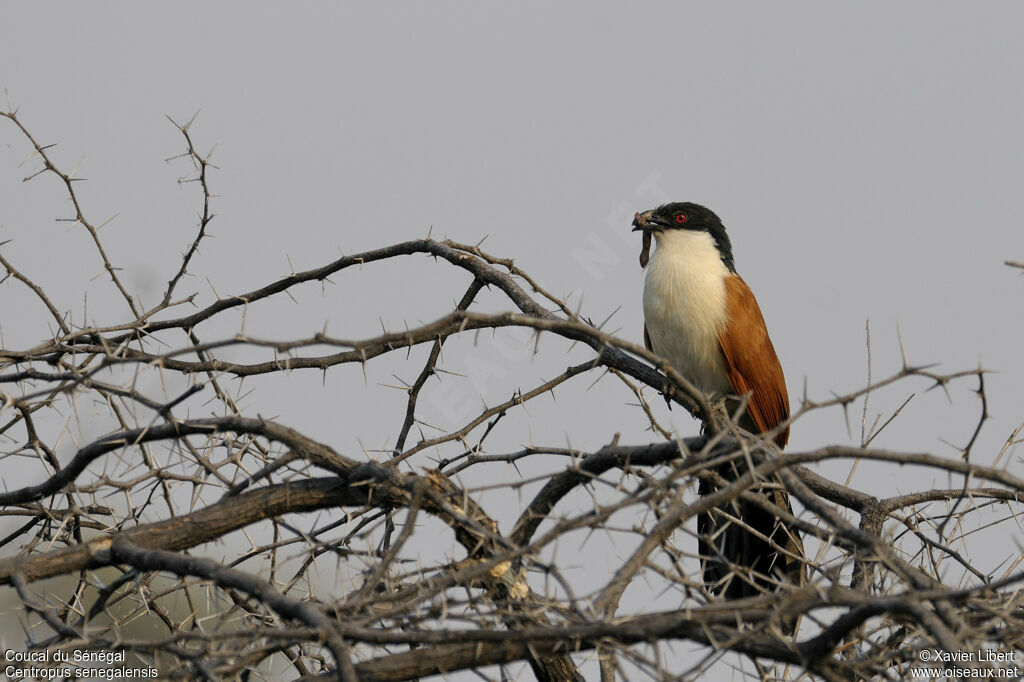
680 218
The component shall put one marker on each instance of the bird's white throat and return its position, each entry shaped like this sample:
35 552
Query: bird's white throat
685 307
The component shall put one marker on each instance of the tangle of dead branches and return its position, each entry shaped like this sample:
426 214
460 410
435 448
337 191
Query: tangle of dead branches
116 542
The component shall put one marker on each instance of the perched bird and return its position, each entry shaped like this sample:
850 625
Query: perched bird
703 319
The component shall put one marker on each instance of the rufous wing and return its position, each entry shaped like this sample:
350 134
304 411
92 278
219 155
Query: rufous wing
751 362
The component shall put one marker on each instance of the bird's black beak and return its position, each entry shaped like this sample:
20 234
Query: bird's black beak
642 221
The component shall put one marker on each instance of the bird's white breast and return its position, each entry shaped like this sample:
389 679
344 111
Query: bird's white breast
685 307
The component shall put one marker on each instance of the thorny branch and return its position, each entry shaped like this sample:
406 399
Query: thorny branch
137 555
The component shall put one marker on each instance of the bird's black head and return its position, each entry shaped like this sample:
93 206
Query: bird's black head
683 215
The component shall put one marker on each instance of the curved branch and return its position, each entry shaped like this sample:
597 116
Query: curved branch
123 551
190 530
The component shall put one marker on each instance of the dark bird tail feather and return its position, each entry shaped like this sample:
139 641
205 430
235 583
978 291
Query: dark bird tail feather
745 549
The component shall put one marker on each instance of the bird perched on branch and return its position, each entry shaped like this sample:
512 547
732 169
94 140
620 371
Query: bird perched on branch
702 318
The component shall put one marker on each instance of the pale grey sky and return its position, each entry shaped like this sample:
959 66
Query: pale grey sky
866 158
